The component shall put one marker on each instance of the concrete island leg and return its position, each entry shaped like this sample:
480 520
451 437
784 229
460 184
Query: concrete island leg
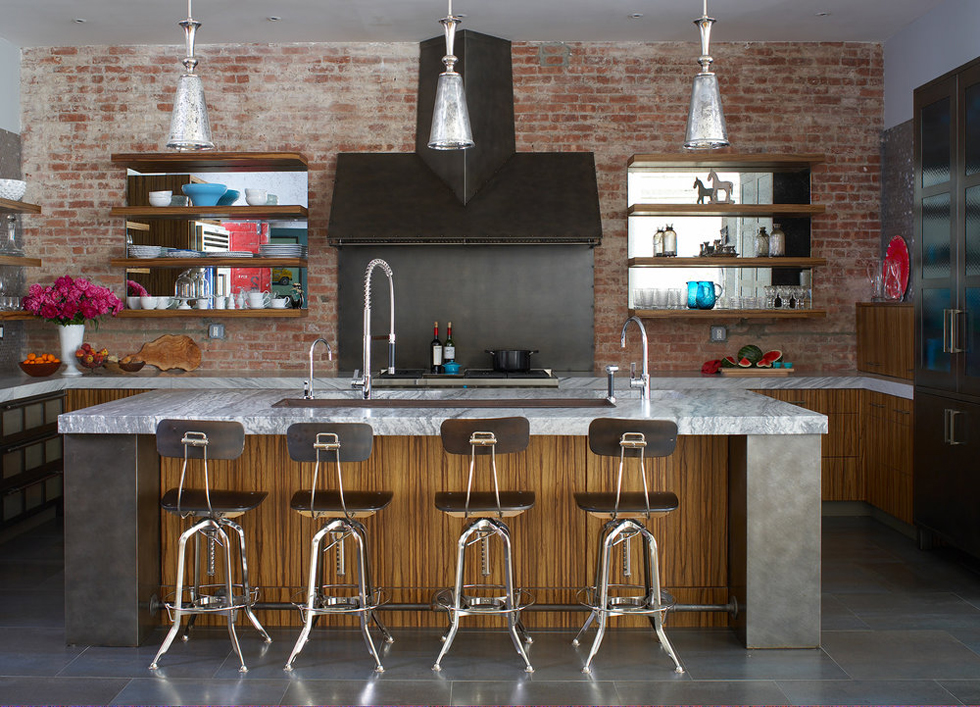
774 539
112 538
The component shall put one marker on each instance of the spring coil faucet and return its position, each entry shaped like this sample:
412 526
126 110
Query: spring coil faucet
364 381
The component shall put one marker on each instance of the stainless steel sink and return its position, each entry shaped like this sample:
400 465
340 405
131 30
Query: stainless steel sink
447 403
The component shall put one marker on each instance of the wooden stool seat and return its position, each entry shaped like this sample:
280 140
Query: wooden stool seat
631 504
359 504
194 502
484 503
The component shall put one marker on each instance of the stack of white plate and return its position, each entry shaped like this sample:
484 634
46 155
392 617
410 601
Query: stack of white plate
282 250
229 254
145 251
183 253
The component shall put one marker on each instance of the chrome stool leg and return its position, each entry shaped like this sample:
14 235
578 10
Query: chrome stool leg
311 595
457 594
230 598
363 584
512 616
654 598
246 586
612 531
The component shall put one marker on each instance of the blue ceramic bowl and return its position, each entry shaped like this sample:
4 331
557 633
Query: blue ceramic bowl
229 197
204 194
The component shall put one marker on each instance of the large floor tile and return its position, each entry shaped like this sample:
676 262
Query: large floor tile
866 692
901 655
59 691
834 615
153 691
534 692
966 691
377 691
22 608
194 659
704 692
27 575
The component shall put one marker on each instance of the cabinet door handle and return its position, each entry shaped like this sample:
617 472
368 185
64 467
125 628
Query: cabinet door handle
947 344
878 405
951 331
949 426
902 412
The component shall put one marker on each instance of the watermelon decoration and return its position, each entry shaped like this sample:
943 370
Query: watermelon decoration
729 362
751 352
771 357
764 364
745 363
709 368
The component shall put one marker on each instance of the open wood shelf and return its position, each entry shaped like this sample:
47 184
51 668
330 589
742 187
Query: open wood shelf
213 313
730 162
729 313
709 262
20 260
752 210
194 213
16 316
18 207
212 162
143 263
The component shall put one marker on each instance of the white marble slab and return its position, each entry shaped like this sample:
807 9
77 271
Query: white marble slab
696 412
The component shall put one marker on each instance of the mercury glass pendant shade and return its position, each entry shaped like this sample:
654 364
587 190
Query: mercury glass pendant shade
706 128
450 117
190 128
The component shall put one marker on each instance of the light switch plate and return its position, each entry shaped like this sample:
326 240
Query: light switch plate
216 331
719 333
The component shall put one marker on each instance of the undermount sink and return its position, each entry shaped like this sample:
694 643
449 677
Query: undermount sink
447 403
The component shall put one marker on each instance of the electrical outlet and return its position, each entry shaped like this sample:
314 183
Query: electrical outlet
719 333
216 331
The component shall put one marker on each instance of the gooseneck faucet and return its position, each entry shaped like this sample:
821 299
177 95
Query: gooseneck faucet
643 382
364 380
308 390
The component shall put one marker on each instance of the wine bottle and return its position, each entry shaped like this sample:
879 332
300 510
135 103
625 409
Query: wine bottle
449 348
435 350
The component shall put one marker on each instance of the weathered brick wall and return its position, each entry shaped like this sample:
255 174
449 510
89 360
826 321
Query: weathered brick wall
615 99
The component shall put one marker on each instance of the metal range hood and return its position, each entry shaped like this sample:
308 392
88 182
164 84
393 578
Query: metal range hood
487 194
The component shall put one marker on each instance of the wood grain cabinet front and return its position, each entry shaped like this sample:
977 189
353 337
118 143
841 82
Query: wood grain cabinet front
888 453
885 338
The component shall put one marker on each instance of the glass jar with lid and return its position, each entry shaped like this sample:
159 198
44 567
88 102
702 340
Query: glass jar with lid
762 243
777 242
670 242
658 243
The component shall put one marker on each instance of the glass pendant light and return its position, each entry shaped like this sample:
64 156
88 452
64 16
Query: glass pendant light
190 128
706 127
450 117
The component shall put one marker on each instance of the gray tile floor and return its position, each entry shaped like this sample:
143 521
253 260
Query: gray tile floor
900 627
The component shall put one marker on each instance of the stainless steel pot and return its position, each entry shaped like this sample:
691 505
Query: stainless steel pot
511 360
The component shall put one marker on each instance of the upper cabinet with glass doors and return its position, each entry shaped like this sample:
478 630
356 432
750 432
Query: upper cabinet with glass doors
947 232
716 205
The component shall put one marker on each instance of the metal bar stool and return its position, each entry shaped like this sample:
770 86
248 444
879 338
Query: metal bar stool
340 512
624 513
485 511
213 510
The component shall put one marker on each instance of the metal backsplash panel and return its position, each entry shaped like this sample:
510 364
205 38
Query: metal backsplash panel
509 297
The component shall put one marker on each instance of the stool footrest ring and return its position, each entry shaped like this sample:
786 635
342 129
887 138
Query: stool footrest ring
625 604
211 599
338 603
485 604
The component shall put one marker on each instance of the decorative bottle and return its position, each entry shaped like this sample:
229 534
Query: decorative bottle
435 350
658 243
762 243
670 242
449 348
777 242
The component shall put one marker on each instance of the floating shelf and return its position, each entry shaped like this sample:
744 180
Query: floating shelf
213 313
194 213
144 263
730 162
782 262
17 316
19 207
20 261
729 313
753 210
212 162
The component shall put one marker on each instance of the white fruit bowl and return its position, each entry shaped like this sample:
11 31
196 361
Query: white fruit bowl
12 189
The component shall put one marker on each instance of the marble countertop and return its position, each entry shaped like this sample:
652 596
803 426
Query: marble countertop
14 386
696 412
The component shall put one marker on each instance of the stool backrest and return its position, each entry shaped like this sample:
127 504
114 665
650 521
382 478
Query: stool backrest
356 441
512 435
605 434
226 440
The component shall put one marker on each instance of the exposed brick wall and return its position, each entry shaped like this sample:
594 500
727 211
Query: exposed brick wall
83 104
897 187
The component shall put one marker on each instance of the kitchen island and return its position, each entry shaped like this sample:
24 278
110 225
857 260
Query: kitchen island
747 470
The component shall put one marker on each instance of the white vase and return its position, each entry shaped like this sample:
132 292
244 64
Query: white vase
71 336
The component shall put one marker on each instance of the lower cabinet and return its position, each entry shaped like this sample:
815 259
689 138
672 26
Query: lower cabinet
30 457
888 453
947 479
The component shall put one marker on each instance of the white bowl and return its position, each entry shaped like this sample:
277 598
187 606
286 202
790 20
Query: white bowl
256 197
12 189
159 200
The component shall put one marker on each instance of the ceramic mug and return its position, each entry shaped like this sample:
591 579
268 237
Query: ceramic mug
203 303
133 302
258 300
163 302
219 302
148 302
280 302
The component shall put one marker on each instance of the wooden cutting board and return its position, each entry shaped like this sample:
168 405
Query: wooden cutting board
171 351
757 371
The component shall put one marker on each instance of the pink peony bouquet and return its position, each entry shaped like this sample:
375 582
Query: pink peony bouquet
70 301
134 289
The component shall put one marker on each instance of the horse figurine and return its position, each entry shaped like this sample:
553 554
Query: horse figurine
719 187
704 191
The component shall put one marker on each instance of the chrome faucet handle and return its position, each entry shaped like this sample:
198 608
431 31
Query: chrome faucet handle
634 381
306 390
358 380
611 391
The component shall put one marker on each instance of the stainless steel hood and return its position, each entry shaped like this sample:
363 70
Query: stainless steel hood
487 194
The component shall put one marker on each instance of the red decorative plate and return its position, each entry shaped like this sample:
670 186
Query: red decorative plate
895 269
